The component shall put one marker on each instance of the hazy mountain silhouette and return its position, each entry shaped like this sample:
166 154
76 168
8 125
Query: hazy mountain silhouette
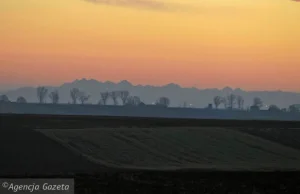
149 94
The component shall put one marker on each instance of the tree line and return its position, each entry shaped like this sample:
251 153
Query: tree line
235 102
230 102
81 97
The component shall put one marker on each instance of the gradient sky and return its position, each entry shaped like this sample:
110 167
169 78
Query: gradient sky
251 44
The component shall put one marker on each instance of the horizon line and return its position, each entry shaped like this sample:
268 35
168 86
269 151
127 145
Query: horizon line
135 85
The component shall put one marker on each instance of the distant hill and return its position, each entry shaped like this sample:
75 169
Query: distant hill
149 94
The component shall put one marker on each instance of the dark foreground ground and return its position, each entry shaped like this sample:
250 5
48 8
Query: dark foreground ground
27 153
185 182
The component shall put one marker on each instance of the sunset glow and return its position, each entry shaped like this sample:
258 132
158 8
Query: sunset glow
250 44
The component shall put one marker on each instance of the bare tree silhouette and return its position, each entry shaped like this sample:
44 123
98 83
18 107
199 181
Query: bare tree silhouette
274 108
104 97
100 102
217 101
4 98
240 102
83 97
137 100
74 93
41 94
224 102
21 99
133 101
231 100
124 96
293 109
114 95
257 102
54 96
163 101
284 109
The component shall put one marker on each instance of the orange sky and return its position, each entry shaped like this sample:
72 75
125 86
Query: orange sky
251 44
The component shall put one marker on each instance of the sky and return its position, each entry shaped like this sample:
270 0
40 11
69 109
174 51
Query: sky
249 44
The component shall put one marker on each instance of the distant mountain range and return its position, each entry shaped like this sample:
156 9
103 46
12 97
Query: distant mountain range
149 94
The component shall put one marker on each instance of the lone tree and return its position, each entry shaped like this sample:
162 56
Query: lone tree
240 102
4 98
74 93
54 96
163 101
217 101
257 102
124 96
83 98
114 95
104 98
231 101
41 94
21 99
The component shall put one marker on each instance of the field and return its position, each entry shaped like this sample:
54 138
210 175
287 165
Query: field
142 155
177 148
26 152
